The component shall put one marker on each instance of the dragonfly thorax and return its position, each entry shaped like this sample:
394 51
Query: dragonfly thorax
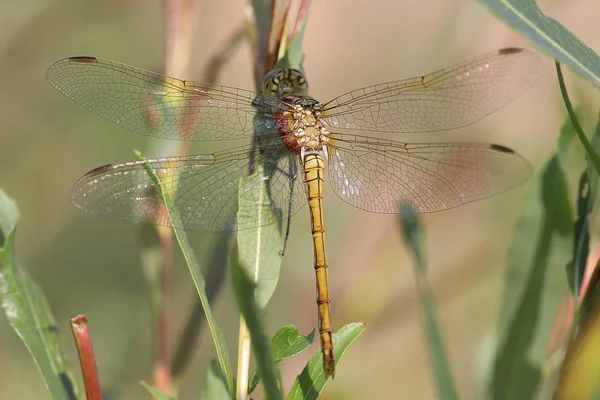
303 128
305 102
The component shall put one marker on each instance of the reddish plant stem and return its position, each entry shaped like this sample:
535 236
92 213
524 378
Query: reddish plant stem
162 370
218 265
89 371
181 21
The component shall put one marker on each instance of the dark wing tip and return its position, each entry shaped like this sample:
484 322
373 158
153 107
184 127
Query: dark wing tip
510 50
78 191
83 59
99 170
53 75
501 148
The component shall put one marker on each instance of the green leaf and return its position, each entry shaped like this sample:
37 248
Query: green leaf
294 56
28 312
156 394
534 283
311 381
592 154
592 172
9 215
581 248
549 35
586 199
441 369
286 343
566 136
260 248
215 387
244 289
195 272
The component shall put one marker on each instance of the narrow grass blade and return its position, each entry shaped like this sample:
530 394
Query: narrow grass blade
311 381
244 290
550 36
193 328
28 312
156 394
286 343
194 268
215 387
535 284
409 224
441 369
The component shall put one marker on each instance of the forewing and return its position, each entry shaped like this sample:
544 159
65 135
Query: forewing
160 106
204 188
377 175
447 99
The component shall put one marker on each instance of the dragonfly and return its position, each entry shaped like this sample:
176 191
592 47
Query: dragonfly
291 139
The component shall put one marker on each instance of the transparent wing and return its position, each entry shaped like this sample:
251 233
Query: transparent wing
376 175
446 99
156 105
204 188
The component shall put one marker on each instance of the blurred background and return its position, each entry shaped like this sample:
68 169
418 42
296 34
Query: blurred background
91 265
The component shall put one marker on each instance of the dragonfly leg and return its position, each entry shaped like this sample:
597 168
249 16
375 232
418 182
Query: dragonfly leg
292 175
287 229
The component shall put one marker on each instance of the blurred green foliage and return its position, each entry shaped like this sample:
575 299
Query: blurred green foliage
28 313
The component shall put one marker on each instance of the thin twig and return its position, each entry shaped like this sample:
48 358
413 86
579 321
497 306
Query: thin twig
218 60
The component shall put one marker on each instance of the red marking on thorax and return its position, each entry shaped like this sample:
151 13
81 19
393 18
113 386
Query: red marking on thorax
287 137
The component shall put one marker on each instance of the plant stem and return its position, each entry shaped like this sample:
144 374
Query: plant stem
89 371
244 350
218 264
162 372
180 27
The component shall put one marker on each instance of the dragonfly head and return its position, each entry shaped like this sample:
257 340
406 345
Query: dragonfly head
282 82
